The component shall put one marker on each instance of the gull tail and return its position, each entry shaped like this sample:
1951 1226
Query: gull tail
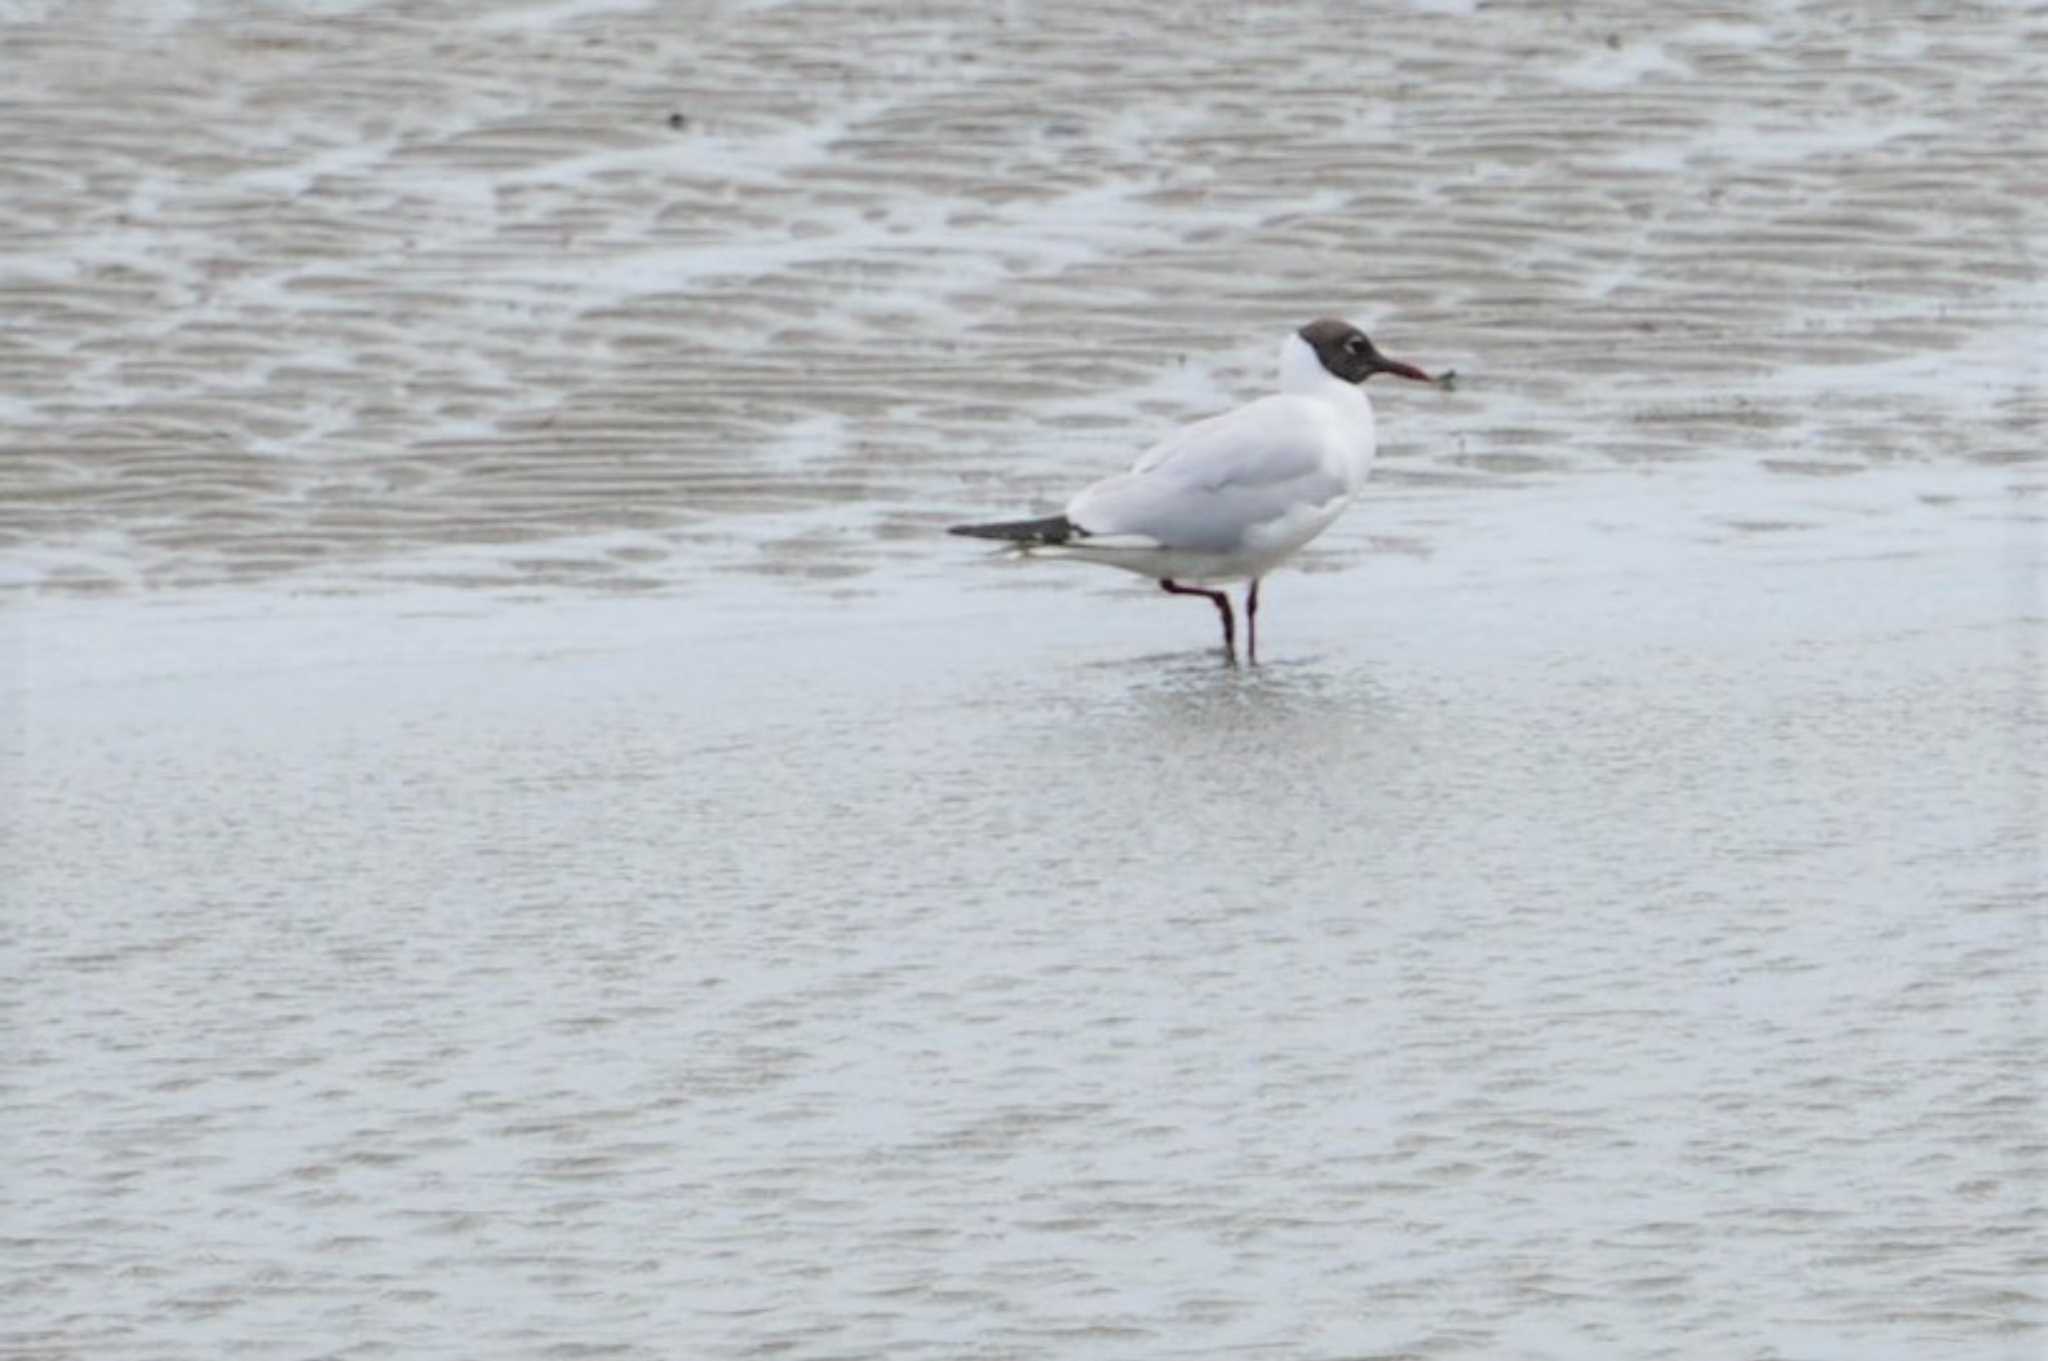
1053 529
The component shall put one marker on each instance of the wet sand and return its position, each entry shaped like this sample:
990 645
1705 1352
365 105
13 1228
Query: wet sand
376 292
521 837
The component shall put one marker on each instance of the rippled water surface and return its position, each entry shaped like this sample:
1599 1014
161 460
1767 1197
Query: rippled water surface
522 839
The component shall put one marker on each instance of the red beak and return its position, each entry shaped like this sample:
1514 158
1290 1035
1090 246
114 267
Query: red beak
1395 366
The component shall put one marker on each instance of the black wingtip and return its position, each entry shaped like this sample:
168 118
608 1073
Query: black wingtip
1052 529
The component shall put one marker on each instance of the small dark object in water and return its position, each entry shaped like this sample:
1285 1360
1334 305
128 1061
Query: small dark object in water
678 122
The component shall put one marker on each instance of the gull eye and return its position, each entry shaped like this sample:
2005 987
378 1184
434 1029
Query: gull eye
1355 345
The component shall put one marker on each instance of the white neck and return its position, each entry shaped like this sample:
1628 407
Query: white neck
1303 375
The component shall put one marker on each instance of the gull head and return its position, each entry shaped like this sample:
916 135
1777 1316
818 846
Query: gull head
1346 353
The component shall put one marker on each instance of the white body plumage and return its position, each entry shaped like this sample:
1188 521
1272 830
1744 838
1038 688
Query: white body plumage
1231 497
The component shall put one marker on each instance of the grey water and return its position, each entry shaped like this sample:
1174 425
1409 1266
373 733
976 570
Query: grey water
520 837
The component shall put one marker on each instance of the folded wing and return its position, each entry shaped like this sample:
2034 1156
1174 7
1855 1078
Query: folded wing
1211 486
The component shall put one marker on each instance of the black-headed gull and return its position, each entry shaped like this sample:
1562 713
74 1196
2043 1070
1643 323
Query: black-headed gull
1230 498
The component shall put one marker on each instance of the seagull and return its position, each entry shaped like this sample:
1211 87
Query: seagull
1231 497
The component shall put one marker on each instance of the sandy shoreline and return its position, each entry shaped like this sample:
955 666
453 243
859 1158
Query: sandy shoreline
520 837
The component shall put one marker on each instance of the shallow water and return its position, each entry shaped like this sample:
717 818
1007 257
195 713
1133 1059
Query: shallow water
1654 974
522 840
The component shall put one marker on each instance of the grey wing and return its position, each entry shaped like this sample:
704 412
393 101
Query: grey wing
1202 489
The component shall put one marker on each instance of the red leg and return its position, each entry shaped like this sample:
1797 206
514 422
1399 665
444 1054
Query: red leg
1251 623
1222 603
